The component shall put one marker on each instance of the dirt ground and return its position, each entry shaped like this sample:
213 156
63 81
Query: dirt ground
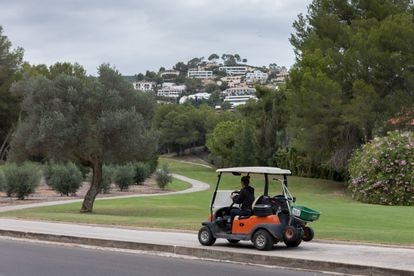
45 193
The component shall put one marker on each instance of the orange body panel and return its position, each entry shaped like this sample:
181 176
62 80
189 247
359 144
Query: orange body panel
245 226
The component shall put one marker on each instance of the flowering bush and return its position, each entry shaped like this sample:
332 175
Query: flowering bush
382 171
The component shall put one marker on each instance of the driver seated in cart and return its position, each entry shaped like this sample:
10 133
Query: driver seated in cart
245 198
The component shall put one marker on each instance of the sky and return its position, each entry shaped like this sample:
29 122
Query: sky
139 35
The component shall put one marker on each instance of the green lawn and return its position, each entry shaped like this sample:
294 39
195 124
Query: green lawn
341 217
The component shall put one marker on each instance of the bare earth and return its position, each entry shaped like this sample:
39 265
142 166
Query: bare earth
45 193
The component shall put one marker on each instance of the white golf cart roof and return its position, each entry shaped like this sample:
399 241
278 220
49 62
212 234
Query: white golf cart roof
257 170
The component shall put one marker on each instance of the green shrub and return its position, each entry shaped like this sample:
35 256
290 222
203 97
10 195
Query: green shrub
21 181
107 176
64 178
124 176
142 171
382 171
163 177
153 163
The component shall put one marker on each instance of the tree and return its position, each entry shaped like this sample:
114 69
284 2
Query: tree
229 59
89 121
221 142
193 85
244 153
352 75
269 117
140 77
213 57
182 68
67 69
194 62
10 62
184 126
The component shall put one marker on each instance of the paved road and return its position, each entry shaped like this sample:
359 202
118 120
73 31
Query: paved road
27 258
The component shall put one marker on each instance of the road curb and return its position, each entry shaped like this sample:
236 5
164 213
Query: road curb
211 253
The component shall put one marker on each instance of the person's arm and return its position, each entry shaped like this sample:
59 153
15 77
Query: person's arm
239 199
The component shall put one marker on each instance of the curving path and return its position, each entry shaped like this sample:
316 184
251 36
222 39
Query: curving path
196 186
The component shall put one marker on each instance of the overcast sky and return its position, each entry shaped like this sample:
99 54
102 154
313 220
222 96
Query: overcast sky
140 35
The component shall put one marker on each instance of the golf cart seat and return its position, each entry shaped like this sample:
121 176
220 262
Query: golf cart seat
245 216
261 206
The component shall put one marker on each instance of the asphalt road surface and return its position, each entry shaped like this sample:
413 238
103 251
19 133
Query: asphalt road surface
22 258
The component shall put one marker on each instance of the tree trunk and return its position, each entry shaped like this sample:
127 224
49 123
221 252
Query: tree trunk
4 145
94 189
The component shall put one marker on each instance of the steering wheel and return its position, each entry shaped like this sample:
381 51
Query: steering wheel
233 194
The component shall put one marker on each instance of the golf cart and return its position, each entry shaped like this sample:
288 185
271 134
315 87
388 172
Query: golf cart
273 218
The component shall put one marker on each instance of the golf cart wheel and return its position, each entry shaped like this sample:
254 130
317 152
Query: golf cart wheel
231 241
205 237
262 240
293 243
308 234
290 234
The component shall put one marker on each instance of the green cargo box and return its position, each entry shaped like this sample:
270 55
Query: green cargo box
305 213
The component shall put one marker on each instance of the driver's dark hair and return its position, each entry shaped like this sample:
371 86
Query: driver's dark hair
245 180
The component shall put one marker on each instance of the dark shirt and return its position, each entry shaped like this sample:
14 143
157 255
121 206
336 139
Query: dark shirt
245 198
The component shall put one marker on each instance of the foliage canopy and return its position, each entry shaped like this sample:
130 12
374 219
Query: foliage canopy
86 120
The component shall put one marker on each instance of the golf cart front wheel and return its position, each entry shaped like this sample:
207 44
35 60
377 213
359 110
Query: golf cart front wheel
205 237
262 240
308 234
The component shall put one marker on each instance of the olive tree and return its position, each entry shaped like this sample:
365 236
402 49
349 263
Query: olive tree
87 120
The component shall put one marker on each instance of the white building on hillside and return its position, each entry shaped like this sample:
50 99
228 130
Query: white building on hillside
283 74
197 96
256 76
239 91
234 70
170 73
169 90
200 74
239 100
144 85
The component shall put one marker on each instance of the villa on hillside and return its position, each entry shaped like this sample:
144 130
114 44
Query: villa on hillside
282 75
239 100
234 70
170 90
197 96
199 74
144 85
256 76
239 91
170 73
